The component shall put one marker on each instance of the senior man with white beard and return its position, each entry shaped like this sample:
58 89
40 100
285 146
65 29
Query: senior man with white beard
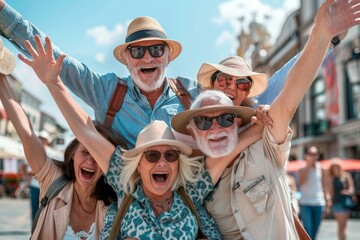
252 200
252 191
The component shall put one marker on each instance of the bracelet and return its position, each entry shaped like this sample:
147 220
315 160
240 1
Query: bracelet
335 41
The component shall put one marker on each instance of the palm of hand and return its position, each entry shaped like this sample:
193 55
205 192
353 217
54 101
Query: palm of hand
43 62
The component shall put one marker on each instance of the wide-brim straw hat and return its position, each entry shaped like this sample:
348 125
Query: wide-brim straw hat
154 134
181 120
7 60
146 29
235 66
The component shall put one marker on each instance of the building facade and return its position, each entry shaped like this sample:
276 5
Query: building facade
329 115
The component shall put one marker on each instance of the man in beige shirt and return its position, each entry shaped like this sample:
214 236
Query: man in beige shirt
252 200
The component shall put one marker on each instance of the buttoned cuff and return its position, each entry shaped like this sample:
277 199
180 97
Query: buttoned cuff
9 18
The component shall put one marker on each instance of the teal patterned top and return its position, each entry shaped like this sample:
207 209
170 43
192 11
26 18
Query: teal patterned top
140 221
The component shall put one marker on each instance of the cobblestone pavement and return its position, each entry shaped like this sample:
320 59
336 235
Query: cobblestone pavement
15 222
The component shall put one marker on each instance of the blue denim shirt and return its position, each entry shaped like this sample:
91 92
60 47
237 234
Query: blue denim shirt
95 89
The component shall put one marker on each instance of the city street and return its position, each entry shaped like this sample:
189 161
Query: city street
15 222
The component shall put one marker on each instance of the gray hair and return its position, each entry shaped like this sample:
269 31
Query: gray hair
214 95
189 170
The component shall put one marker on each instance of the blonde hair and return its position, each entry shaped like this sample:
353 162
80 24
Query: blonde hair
336 162
190 170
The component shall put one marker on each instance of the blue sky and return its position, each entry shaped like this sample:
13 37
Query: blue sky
89 30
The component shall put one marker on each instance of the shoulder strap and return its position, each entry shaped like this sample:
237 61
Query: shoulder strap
187 200
53 190
303 235
183 95
115 102
116 227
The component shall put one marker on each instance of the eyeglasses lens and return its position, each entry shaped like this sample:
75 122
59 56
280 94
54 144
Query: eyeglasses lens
224 80
154 155
155 51
224 120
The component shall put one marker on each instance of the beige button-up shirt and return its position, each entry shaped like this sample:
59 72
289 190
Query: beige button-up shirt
260 204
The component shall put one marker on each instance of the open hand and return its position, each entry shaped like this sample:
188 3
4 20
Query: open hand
335 17
43 63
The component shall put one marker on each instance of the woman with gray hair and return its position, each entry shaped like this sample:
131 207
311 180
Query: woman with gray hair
150 173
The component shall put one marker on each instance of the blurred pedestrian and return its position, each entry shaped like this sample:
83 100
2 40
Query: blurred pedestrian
340 184
293 192
312 201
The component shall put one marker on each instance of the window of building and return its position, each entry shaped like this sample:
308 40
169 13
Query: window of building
353 98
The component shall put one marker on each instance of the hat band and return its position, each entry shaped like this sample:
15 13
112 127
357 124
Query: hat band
145 34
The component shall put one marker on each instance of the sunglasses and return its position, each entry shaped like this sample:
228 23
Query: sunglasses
204 123
155 51
170 155
224 80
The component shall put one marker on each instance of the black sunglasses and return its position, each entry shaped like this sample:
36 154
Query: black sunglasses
155 51
170 155
224 120
224 80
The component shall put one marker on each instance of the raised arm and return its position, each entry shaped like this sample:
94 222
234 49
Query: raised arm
47 69
80 79
34 150
333 18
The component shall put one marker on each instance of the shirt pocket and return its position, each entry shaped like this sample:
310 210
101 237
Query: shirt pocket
260 193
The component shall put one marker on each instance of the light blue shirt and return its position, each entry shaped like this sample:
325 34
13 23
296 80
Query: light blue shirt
95 89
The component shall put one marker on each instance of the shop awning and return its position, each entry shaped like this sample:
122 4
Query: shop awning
347 164
9 148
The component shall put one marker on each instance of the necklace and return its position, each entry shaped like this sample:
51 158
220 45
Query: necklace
163 204
81 206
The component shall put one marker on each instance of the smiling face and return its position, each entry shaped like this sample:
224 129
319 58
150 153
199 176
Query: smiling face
148 72
86 170
229 87
158 178
217 141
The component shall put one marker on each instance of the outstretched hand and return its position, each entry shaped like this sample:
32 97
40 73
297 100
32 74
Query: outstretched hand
336 17
43 63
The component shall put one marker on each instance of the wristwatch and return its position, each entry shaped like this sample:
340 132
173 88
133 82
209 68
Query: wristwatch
335 41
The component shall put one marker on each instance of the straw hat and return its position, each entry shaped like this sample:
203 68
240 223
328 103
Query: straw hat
7 60
145 29
235 66
154 134
210 103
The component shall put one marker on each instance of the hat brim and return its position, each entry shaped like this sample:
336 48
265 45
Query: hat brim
7 63
182 147
207 70
181 120
174 46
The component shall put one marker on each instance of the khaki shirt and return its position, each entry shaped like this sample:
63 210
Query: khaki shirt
53 219
259 195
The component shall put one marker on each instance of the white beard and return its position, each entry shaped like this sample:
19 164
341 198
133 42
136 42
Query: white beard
149 85
218 149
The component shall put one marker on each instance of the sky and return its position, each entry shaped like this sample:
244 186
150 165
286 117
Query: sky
88 30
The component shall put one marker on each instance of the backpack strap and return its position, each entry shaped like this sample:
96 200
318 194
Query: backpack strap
178 88
126 202
115 102
187 200
116 227
53 190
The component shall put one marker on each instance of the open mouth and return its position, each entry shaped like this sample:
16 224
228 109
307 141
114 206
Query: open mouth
160 177
87 173
218 139
148 70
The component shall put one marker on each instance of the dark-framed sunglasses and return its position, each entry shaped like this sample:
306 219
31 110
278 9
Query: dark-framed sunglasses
224 80
204 123
155 51
170 155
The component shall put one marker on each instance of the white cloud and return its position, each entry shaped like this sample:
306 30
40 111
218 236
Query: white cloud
273 18
106 37
100 57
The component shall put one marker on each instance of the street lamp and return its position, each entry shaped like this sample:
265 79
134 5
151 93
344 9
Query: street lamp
353 66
